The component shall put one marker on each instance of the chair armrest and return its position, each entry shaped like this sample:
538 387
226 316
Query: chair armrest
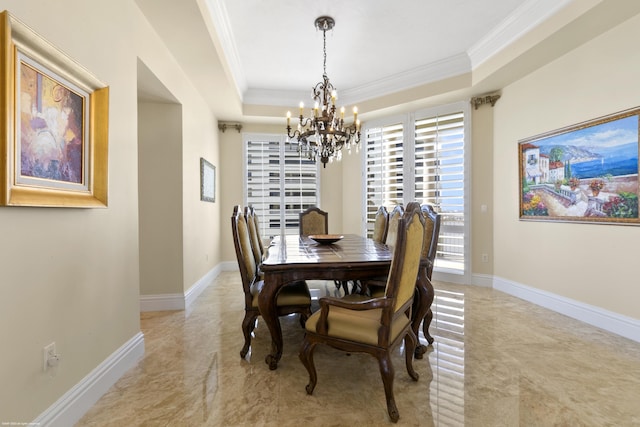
322 326
368 304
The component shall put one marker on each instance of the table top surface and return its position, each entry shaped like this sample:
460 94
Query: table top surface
302 251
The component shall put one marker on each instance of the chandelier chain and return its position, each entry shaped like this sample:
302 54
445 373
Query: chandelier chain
324 41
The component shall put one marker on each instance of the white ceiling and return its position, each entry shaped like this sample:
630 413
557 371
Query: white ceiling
250 54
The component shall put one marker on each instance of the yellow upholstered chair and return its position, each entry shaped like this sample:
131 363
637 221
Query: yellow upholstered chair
376 326
375 286
380 225
392 228
314 221
257 246
429 250
294 298
431 235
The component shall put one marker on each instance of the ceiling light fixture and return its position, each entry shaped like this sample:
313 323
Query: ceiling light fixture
323 134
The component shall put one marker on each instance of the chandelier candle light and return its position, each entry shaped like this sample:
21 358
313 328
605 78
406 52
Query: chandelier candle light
323 134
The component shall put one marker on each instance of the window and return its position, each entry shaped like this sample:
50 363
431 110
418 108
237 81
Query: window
421 156
278 183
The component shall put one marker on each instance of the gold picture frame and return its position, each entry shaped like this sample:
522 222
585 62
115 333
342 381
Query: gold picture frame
53 123
587 172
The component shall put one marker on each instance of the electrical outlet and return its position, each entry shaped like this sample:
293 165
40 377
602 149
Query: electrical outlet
49 354
485 257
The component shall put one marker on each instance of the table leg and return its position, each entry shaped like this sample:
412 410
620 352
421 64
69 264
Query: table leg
267 302
424 297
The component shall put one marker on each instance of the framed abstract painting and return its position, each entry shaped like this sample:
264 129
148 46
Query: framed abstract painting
54 145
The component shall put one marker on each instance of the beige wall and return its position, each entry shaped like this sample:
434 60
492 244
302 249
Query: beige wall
482 190
591 263
160 194
72 275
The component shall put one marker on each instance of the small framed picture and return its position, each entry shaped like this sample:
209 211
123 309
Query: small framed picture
207 181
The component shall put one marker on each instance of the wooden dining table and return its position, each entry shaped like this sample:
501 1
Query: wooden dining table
291 258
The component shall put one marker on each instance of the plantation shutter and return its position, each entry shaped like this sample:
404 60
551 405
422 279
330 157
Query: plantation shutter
300 188
384 170
439 180
279 184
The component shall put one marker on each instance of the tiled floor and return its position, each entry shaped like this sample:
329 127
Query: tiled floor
496 361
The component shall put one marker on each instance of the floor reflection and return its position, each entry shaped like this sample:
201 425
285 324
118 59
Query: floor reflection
447 359
496 361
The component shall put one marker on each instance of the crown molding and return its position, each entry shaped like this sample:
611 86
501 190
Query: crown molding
222 27
449 67
525 18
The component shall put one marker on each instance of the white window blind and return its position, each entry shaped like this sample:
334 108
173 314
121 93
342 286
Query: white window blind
278 183
439 180
384 170
426 165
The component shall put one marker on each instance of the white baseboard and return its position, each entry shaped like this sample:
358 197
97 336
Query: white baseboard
162 302
77 401
194 291
484 280
169 302
609 321
229 266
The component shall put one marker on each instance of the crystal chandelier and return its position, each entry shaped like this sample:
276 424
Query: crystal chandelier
323 134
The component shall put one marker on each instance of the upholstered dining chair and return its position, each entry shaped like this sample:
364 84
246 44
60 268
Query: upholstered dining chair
431 235
429 251
294 298
257 247
376 326
314 221
380 225
375 286
392 228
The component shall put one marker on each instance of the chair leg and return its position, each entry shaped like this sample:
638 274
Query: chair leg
410 342
306 357
304 315
248 324
425 326
387 374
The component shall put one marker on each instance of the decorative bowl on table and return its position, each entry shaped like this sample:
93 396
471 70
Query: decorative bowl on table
326 239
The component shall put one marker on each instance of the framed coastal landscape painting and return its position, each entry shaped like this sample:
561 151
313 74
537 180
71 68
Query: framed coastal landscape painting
586 172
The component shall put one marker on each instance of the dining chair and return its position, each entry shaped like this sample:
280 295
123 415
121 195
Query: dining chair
256 241
380 225
314 221
294 298
358 323
375 286
429 251
392 228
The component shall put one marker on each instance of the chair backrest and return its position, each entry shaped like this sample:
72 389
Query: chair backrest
403 274
244 253
314 221
256 240
256 220
392 229
380 225
431 235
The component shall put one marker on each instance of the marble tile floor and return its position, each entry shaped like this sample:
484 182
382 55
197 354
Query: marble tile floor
496 361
